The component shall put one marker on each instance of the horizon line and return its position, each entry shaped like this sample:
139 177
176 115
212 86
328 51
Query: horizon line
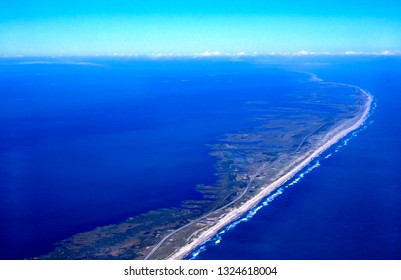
213 54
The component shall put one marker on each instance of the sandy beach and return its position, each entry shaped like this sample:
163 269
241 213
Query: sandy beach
297 165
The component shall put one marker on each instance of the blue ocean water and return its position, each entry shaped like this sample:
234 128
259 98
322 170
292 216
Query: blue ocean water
86 143
345 204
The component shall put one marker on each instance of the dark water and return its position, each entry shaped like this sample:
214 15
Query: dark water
86 145
345 206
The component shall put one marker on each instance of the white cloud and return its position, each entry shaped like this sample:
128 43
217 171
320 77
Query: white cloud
386 52
207 53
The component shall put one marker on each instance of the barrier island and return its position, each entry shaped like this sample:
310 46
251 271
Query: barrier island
288 133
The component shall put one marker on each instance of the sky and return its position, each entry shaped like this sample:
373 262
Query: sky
145 27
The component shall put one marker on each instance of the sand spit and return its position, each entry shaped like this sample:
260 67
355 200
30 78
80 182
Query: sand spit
327 141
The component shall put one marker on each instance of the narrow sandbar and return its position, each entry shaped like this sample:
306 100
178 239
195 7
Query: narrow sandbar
297 165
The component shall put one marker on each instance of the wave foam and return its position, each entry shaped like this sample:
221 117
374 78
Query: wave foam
217 239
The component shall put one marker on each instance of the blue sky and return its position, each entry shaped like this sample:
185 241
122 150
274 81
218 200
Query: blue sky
89 27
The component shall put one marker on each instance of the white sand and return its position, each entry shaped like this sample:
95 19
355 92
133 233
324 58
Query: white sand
330 139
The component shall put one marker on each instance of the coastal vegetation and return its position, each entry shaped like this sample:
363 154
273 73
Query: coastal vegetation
285 135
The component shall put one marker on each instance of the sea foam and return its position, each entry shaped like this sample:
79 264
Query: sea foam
218 238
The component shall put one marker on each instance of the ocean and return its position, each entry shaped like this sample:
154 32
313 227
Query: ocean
346 204
89 142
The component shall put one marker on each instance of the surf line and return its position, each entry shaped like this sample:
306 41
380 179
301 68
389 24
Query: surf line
217 239
331 138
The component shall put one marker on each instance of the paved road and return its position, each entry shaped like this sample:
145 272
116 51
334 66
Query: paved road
259 171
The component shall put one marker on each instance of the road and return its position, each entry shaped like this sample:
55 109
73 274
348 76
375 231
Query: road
259 171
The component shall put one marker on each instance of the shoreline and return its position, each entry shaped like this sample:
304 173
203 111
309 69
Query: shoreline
297 165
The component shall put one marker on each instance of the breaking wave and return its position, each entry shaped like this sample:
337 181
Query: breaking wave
217 239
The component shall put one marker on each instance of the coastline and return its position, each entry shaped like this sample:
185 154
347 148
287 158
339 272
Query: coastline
297 165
